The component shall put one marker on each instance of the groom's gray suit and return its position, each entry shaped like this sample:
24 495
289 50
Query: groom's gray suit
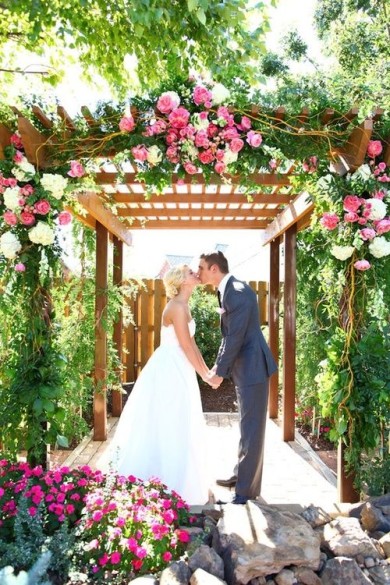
245 357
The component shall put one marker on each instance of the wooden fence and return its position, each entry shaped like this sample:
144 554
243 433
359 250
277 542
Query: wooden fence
143 337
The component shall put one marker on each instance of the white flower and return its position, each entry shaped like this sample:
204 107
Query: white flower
229 156
9 245
220 93
11 198
200 123
41 233
24 171
190 148
55 184
154 155
364 172
342 252
378 209
379 247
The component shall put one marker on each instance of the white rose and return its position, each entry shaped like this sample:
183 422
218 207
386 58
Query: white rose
41 233
220 93
379 247
9 245
200 123
55 184
378 209
229 156
363 172
154 155
342 252
11 198
21 175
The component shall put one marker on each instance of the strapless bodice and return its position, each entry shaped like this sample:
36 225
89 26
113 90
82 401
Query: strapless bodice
168 334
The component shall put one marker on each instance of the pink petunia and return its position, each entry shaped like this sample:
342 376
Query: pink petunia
374 148
115 558
76 169
362 265
167 556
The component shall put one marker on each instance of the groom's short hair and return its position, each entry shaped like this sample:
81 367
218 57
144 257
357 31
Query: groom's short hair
216 258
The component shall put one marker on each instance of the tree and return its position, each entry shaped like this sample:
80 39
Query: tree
154 37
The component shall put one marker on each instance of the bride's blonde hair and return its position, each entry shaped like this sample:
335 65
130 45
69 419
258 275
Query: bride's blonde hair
173 280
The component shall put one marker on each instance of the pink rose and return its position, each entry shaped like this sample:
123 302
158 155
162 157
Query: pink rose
27 218
229 133
172 154
310 164
219 167
20 267
64 218
10 218
374 148
206 157
362 265
168 101
379 195
16 141
351 203
236 145
42 207
140 152
179 117
201 95
158 127
76 169
18 156
172 136
384 179
212 130
27 190
127 124
272 164
382 226
254 139
362 221
190 168
246 124
351 217
201 139
367 234
329 220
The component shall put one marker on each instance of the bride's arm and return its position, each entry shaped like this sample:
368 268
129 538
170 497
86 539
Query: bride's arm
179 319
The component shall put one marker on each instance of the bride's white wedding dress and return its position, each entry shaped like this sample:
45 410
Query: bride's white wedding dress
161 432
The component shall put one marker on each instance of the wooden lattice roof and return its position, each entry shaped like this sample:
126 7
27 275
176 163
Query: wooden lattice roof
193 204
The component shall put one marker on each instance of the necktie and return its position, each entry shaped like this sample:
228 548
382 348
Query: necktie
219 298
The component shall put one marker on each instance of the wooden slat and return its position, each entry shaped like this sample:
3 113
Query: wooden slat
143 329
63 114
290 215
88 116
303 116
94 206
160 300
130 375
289 337
200 224
41 116
273 321
386 153
352 154
35 145
272 198
118 325
280 113
327 116
194 212
110 178
377 114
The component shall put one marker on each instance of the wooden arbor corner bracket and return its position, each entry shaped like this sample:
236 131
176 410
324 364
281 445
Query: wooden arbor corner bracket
296 211
95 208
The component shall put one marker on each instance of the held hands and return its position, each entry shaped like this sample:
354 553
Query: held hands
212 379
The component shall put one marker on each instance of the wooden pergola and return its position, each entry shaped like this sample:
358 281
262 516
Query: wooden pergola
193 204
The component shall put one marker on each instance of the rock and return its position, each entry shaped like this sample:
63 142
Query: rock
201 577
380 574
315 516
385 544
145 580
369 562
257 541
207 559
285 577
177 573
345 538
307 576
372 518
342 570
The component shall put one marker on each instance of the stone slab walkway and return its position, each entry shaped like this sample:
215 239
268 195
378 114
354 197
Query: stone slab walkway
293 474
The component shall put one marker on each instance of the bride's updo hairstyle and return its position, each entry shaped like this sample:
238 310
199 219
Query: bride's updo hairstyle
173 280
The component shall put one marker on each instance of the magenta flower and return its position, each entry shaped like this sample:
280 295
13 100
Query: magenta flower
374 148
352 203
362 265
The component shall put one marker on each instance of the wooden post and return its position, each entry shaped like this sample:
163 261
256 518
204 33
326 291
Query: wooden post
118 325
99 399
346 491
130 344
273 322
289 342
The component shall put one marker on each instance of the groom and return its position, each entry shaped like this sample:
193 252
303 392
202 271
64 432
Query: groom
245 357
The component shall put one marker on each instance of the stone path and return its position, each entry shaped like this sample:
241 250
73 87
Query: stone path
293 475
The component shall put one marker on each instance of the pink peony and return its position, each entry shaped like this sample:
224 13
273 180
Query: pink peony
382 226
190 168
351 217
27 190
201 95
140 152
212 130
236 145
10 218
179 117
362 265
42 207
168 101
254 139
206 157
374 148
127 124
220 167
76 169
202 139
329 220
27 218
171 136
367 234
351 203
64 218
20 267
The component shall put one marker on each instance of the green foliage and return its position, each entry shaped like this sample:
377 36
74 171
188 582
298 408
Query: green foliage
33 577
204 306
150 38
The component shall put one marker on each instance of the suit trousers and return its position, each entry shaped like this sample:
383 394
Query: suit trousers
252 406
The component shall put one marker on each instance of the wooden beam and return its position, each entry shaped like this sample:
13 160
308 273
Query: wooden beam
201 224
34 143
290 215
346 492
273 322
99 398
118 325
289 338
352 154
110 178
327 116
215 198
93 204
63 114
41 116
196 212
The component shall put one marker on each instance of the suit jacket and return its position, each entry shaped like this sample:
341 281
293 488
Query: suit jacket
243 354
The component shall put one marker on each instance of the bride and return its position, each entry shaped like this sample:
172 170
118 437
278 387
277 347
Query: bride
161 431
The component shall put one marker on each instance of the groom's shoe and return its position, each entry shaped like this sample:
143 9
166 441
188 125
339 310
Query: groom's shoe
231 482
239 499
